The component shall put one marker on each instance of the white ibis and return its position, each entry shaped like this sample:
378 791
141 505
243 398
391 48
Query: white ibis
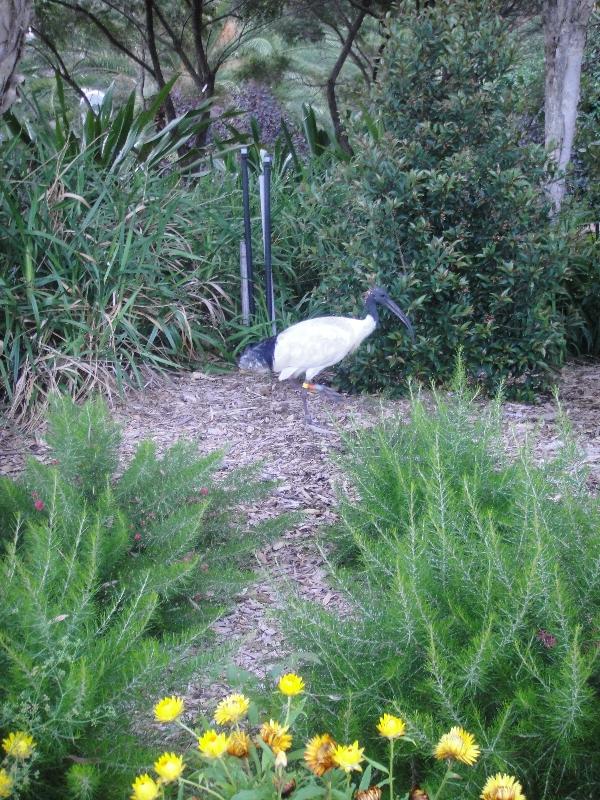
311 346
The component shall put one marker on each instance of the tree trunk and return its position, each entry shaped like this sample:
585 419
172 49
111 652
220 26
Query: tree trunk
565 25
340 133
14 21
152 49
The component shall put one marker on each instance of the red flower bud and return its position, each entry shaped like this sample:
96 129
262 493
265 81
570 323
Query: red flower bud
138 537
39 505
204 491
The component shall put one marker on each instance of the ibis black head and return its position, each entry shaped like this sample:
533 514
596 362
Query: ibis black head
378 296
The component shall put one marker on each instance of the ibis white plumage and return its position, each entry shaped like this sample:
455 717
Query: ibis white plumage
309 347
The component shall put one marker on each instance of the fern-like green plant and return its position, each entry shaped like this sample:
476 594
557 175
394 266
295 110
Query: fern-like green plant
98 575
472 578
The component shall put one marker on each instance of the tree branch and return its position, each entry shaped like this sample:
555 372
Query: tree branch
340 133
107 32
158 74
62 68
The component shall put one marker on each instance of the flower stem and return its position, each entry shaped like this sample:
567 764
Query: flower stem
443 783
391 776
201 787
287 713
185 728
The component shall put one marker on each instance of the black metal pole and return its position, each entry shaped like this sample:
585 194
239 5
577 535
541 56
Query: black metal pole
269 292
247 228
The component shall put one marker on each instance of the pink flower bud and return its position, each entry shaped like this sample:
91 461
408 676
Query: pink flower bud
39 505
138 537
204 491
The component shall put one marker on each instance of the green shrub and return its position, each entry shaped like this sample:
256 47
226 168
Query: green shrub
108 590
444 207
472 583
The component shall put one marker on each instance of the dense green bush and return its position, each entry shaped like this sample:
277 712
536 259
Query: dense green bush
443 205
473 599
108 587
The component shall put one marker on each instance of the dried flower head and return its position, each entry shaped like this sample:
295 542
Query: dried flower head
391 727
458 745
319 754
276 736
213 745
502 787
291 684
169 767
168 709
231 709
239 744
18 745
372 793
348 757
144 788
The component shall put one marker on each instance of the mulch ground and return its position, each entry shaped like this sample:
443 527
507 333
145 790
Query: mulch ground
261 420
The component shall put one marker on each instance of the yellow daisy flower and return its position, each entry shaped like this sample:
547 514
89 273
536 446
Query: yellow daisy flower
212 744
239 744
348 756
6 784
144 788
502 787
290 684
169 767
319 754
276 736
459 745
391 727
231 709
168 709
18 745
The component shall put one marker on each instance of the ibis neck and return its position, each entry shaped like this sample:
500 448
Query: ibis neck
371 309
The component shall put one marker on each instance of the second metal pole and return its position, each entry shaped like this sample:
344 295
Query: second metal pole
269 291
247 229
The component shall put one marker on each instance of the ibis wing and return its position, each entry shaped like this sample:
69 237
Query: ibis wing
315 344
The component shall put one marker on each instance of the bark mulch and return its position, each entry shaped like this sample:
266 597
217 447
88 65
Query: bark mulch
257 419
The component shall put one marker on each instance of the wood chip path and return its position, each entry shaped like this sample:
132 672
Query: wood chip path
261 420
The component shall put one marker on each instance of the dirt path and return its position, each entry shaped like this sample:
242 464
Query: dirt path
260 420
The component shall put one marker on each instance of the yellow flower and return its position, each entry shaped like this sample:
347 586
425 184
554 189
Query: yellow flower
290 684
168 709
391 727
458 745
502 787
169 767
319 754
6 783
213 744
144 788
348 756
276 736
18 745
239 744
231 709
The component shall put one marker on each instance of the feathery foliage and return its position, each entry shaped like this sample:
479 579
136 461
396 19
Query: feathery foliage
108 589
473 581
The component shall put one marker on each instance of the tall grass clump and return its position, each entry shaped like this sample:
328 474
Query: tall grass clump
108 588
113 261
472 580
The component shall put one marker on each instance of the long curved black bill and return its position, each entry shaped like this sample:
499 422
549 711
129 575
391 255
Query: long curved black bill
389 303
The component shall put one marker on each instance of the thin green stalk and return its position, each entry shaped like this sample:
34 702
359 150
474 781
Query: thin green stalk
443 783
391 769
201 787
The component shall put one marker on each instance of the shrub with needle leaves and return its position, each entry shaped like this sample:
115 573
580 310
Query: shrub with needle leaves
109 586
473 578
